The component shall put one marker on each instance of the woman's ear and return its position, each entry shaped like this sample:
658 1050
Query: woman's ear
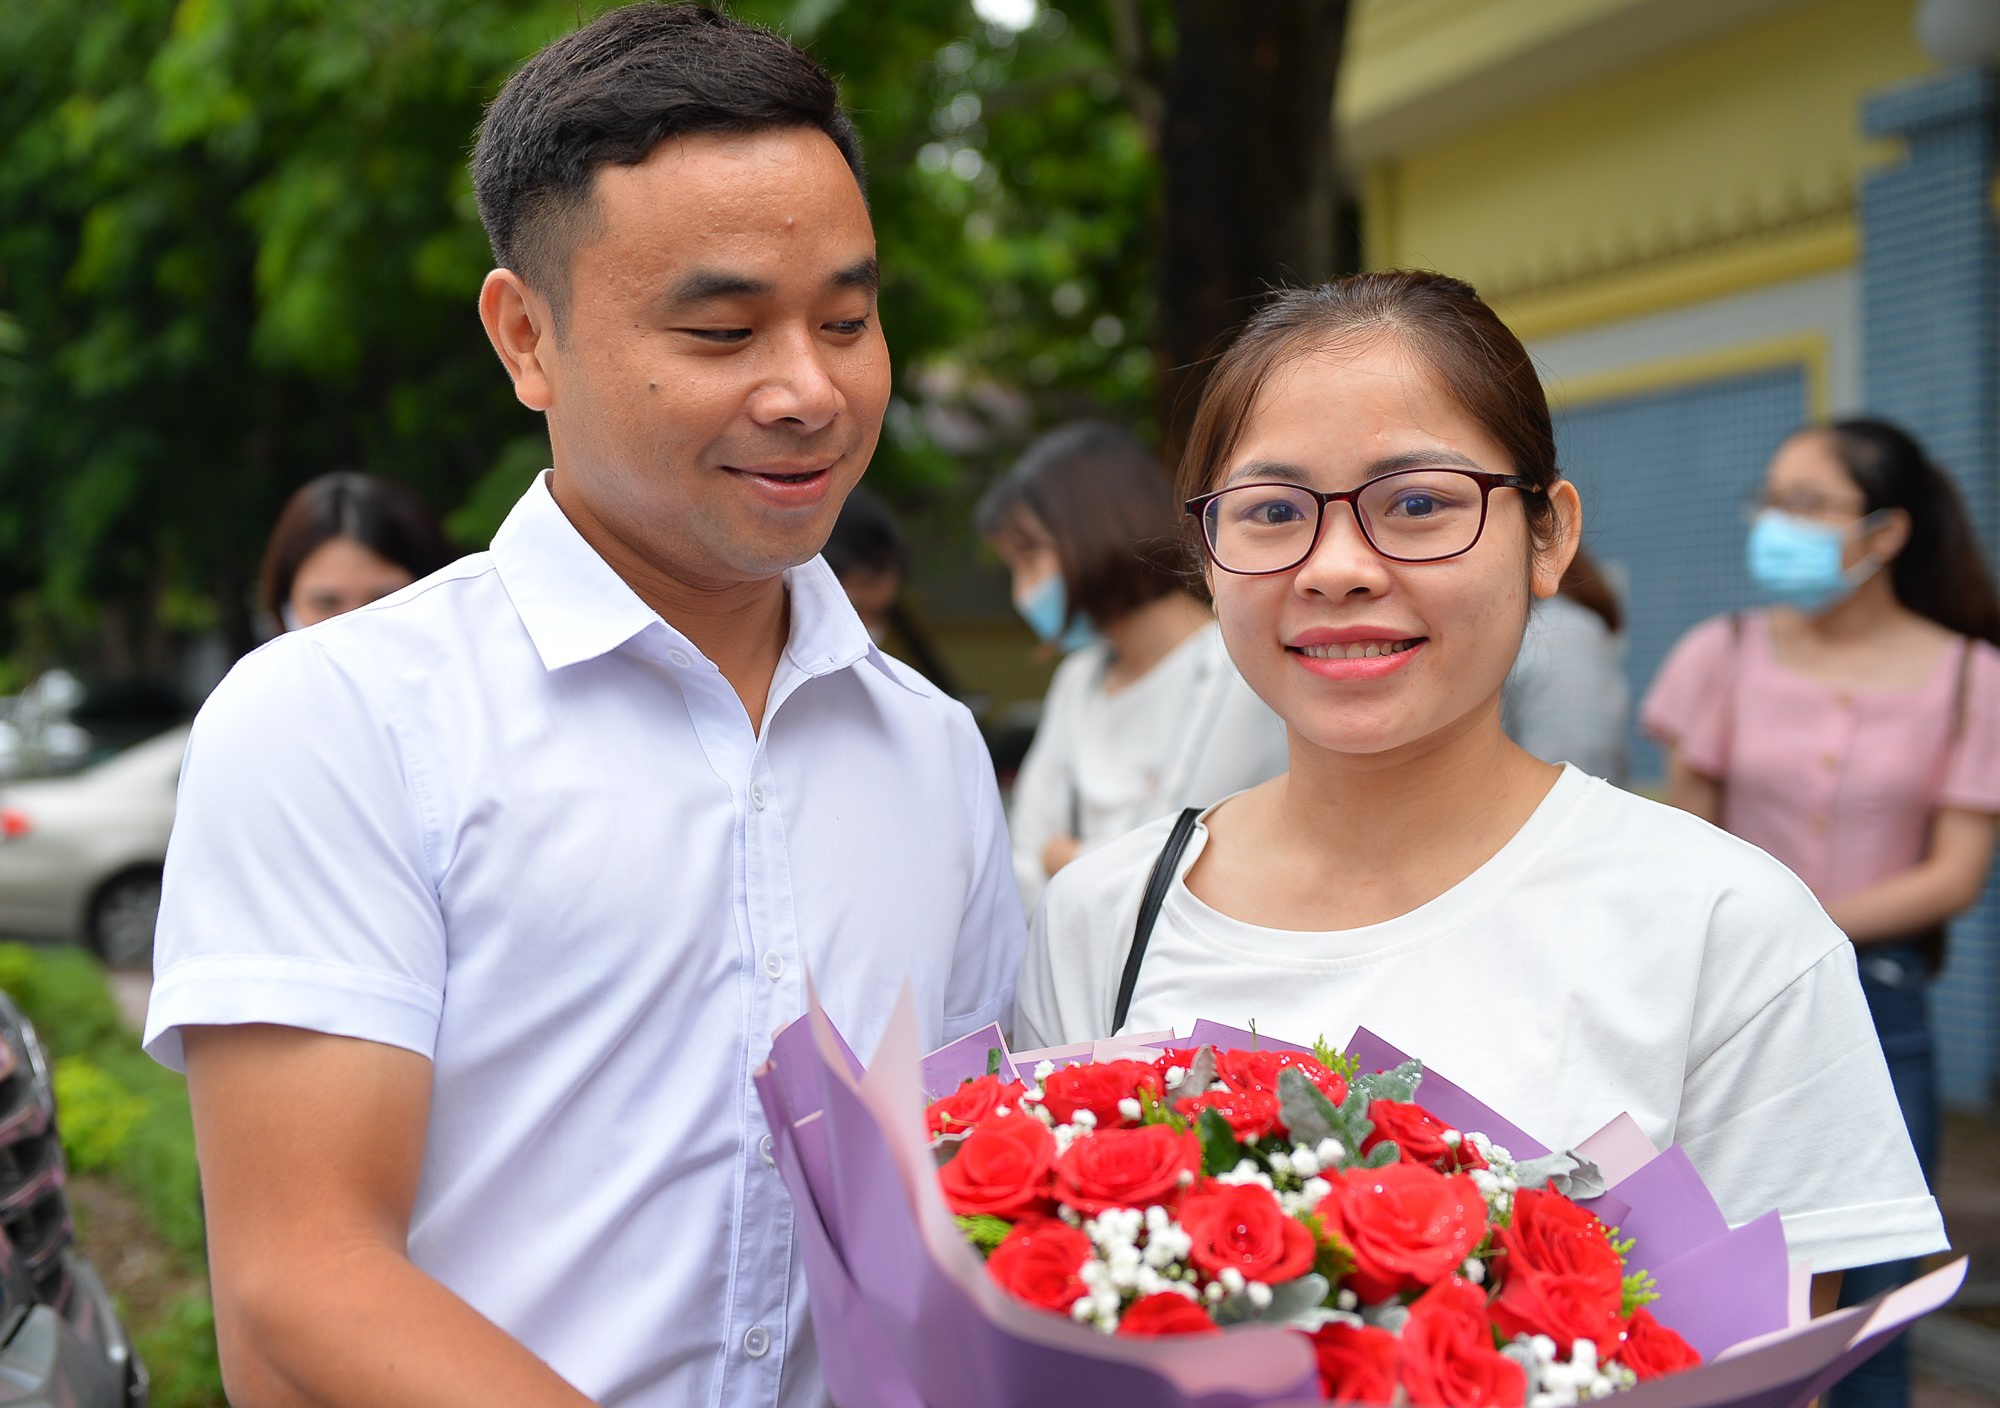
1889 537
1552 557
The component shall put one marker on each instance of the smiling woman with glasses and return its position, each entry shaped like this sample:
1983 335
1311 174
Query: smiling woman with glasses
1372 477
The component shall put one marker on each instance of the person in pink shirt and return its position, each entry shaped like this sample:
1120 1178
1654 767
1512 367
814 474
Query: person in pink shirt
1852 730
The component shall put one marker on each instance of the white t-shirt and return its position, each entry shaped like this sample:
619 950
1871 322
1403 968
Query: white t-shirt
1615 956
511 820
1186 733
1567 699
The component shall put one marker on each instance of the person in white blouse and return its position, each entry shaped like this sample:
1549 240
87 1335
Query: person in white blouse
1145 715
1567 699
485 899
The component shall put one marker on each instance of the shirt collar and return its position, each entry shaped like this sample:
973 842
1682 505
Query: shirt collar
575 608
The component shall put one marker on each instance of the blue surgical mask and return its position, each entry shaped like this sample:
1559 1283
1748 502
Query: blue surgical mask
1797 562
1046 610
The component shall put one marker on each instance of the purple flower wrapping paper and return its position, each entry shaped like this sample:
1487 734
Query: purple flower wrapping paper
906 1317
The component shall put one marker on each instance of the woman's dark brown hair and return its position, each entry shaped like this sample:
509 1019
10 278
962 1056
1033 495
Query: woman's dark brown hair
1940 573
1102 498
1439 320
391 520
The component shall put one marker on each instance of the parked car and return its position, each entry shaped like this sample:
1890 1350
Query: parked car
80 856
62 1344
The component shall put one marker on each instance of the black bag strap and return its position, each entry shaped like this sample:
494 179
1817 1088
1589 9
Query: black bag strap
1157 885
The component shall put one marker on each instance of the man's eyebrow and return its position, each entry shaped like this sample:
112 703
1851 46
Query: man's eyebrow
707 285
1409 459
864 274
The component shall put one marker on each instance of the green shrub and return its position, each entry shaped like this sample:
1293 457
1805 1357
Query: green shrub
124 1117
98 1114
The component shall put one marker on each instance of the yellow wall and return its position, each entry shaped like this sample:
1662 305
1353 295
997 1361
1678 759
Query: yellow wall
1730 163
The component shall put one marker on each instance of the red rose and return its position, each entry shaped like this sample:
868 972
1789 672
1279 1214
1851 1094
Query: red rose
1357 1363
1558 1273
1242 1225
970 1103
1565 1308
1251 1113
1420 1136
1448 1359
1258 1070
1002 1168
1098 1089
1406 1225
1039 1262
1172 1056
1124 1168
1165 1313
1652 1351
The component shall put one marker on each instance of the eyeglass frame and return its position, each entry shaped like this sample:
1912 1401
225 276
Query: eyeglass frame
1197 507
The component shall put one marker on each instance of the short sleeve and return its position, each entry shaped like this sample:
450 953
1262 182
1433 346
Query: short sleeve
1792 1107
1687 705
298 886
1972 778
991 933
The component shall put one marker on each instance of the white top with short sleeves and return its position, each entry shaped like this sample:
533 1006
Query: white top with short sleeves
1615 956
509 819
1186 733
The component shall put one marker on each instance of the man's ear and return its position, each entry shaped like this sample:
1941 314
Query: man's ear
521 328
1552 558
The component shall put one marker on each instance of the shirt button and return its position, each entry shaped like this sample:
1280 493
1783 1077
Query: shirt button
680 658
757 1342
764 1151
774 966
757 798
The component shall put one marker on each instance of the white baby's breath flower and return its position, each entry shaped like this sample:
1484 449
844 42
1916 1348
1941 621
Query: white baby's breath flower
1281 1164
1451 1138
1259 1294
1232 1280
1347 1300
1043 1070
1086 1118
1129 1108
1329 1151
1474 1271
1304 1162
1175 1075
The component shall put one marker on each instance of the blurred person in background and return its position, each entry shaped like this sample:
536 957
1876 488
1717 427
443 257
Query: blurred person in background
1566 699
1146 715
344 540
1853 731
871 557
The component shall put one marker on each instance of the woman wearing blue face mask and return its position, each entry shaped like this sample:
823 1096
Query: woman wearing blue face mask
1145 715
1853 731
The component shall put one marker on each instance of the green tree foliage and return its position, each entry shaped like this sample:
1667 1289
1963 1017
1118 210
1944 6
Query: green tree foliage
240 249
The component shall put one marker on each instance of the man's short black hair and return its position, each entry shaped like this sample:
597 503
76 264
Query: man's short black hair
611 92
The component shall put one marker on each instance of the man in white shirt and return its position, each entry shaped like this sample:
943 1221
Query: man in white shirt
485 900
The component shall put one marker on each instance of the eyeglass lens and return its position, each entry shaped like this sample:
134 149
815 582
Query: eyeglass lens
1416 515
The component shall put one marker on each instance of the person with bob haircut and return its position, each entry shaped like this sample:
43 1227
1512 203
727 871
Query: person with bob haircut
1145 714
1852 729
484 902
1373 476
344 540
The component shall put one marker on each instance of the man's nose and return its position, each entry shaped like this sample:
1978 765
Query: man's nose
797 387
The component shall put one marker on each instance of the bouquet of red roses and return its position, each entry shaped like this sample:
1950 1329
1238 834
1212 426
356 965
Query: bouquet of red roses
1228 1221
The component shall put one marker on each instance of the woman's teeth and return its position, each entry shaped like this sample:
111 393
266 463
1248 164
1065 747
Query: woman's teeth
1356 650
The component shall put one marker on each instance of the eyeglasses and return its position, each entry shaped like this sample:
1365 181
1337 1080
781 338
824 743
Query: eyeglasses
1411 515
1805 505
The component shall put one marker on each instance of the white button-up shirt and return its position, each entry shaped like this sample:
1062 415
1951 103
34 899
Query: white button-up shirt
511 820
